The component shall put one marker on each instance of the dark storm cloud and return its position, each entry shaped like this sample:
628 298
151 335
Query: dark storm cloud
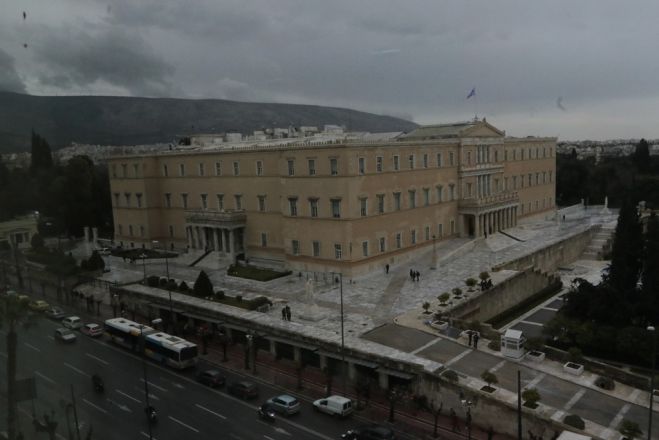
9 79
77 57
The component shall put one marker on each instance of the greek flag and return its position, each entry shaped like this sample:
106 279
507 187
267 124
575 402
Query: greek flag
472 93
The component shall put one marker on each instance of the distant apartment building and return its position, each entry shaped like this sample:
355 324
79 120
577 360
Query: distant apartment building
339 202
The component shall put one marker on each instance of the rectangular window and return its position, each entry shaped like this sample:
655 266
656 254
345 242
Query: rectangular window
537 178
141 231
378 164
138 199
550 176
261 200
514 182
399 240
218 168
220 202
411 199
452 226
291 167
127 197
397 201
382 244
427 233
521 180
468 157
530 179
505 184
334 167
184 200
264 239
116 199
239 201
181 169
130 230
292 206
380 203
451 159
295 247
440 229
410 161
121 229
522 154
204 201
337 251
363 207
505 155
544 177
413 236
426 196
362 165
171 231
468 189
114 171
124 170
365 248
451 192
259 167
165 171
439 160
396 162
312 167
201 169
136 170
496 155
315 248
439 193
313 207
236 168
425 161
336 208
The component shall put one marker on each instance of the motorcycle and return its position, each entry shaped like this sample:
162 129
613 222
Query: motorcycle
97 383
151 414
266 413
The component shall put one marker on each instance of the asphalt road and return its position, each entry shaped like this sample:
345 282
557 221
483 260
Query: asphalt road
186 409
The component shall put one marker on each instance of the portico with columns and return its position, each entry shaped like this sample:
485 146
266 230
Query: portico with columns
220 231
486 215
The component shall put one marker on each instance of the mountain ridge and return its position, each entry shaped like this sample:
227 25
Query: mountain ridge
122 120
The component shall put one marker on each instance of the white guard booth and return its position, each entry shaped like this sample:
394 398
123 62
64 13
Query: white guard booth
512 344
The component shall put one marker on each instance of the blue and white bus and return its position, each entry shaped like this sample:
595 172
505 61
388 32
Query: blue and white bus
167 349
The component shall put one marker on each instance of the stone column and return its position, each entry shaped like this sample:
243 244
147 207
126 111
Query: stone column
95 235
216 239
323 362
188 234
273 348
231 245
297 354
244 237
352 371
86 230
383 380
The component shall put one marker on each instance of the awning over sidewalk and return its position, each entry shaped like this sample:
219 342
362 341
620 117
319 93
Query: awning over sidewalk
203 318
362 362
166 307
295 344
395 373
88 290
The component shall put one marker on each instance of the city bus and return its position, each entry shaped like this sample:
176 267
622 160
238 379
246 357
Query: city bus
167 349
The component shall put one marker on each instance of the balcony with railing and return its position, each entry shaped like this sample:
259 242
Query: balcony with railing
500 200
216 217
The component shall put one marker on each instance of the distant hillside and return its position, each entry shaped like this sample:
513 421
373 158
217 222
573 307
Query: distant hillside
129 121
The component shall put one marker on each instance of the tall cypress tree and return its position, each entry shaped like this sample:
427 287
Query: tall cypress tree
627 250
42 158
650 274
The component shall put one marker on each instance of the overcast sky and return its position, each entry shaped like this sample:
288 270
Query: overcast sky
572 69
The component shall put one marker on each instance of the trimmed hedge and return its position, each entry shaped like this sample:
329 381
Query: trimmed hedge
255 273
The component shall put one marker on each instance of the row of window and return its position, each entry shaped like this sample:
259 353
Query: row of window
132 229
381 242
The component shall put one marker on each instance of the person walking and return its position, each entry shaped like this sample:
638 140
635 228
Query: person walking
476 338
418 274
470 335
283 313
412 274
386 268
455 423
288 313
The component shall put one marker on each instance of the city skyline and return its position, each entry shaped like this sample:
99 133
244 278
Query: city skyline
550 69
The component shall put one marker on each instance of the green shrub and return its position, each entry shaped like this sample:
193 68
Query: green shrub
489 378
470 282
255 273
495 343
606 383
484 276
219 294
203 288
575 421
531 396
451 376
163 282
152 281
457 291
426 306
444 297
629 429
575 355
239 298
183 287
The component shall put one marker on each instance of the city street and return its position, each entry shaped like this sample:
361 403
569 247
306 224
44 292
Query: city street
186 409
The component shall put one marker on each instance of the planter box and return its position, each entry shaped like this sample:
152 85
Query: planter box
572 368
655 395
488 389
439 325
535 356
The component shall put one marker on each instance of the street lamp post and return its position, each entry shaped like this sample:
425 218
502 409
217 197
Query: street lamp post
143 257
343 355
146 380
650 329
169 289
434 252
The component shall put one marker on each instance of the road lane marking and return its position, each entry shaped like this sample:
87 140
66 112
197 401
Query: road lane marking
268 437
578 395
97 359
121 407
94 406
151 384
183 424
208 410
282 430
32 347
147 435
536 380
76 369
497 367
129 396
44 377
151 396
423 347
458 357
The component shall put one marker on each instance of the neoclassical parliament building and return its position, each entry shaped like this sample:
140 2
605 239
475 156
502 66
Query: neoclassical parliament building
333 201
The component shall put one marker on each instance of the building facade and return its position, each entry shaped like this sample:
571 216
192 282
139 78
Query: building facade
347 202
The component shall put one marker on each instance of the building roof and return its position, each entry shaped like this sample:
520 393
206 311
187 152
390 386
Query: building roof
452 130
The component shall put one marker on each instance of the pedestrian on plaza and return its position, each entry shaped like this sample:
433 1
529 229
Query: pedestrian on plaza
412 274
455 423
470 335
418 274
386 269
476 338
288 313
283 313
490 433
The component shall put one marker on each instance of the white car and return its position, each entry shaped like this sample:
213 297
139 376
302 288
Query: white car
334 405
72 322
93 330
65 335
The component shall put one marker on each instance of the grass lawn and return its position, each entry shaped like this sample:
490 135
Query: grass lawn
255 273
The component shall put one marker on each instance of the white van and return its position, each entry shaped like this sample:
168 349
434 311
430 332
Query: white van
72 322
334 405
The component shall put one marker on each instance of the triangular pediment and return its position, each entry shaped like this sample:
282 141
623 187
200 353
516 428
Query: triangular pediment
482 129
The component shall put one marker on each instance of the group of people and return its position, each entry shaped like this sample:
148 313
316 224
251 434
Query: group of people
414 274
286 313
473 338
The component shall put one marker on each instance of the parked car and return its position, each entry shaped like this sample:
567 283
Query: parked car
39 305
212 378
370 432
284 404
64 335
104 251
55 313
72 322
243 389
334 405
92 329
